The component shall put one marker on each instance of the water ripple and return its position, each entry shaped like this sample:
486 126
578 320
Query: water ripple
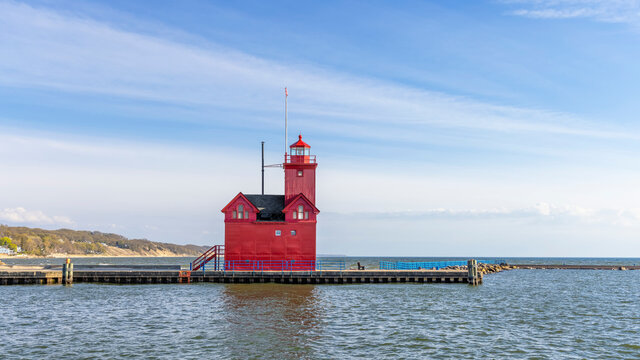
533 314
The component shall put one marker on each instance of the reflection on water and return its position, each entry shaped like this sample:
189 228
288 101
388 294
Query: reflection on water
270 318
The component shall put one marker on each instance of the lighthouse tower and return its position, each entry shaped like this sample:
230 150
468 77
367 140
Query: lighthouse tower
300 172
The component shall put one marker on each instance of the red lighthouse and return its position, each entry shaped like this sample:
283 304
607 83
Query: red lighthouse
272 232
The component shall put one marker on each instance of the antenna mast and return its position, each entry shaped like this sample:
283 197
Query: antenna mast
262 142
286 141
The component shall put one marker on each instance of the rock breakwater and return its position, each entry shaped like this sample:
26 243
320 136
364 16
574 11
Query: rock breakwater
485 268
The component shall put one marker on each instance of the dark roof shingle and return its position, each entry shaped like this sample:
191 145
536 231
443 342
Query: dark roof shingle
270 206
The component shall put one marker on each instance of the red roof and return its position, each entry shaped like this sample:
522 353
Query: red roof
300 143
240 195
301 196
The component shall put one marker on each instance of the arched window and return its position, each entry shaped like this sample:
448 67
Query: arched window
300 212
240 211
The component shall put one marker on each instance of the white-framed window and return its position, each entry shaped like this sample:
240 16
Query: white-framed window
293 233
299 172
278 232
299 151
240 211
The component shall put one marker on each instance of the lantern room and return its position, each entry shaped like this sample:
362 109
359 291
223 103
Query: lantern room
300 152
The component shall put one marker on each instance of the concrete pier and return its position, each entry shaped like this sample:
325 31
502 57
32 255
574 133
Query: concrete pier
334 277
26 275
175 275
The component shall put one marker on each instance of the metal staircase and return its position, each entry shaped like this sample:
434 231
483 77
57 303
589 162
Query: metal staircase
215 255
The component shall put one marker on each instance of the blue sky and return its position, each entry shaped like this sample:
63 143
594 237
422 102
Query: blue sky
492 128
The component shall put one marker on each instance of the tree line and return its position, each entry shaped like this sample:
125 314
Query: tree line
40 242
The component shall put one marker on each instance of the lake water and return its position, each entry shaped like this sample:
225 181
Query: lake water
543 314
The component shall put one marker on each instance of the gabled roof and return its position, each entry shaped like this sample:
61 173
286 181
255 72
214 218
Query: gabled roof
269 207
301 196
300 143
240 195
267 203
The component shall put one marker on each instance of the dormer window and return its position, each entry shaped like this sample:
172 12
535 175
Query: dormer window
241 213
300 214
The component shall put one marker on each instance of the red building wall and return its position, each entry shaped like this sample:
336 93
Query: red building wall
258 241
294 184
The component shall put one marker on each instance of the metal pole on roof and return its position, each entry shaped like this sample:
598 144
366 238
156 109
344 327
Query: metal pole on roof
262 167
286 141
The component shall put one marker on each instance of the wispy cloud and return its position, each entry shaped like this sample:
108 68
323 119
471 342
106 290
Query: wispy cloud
133 188
613 11
91 57
541 212
20 216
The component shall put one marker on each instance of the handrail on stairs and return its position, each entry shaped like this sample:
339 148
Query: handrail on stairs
215 252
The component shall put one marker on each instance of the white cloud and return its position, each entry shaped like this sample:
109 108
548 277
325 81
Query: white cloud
136 189
542 212
103 59
20 215
614 11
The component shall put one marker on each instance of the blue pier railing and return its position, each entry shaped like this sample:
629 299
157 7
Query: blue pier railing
430 265
283 265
